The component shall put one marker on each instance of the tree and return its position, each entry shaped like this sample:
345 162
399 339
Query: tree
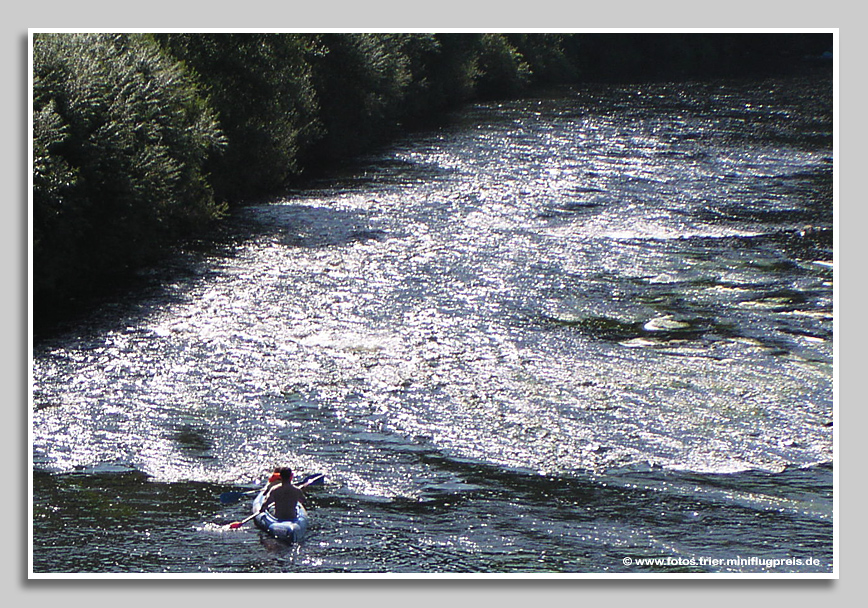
121 135
260 86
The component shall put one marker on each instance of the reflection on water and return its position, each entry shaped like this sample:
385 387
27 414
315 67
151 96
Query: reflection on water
590 286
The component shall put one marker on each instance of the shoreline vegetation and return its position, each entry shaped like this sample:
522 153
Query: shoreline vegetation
142 142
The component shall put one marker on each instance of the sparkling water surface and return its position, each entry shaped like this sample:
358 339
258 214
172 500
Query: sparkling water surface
552 334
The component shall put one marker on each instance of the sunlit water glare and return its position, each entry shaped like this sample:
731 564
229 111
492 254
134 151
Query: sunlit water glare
595 284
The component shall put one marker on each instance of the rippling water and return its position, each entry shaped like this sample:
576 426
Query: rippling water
557 333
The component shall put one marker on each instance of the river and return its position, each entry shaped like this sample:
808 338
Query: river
574 333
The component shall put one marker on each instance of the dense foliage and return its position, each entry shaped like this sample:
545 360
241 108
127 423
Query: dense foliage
120 138
260 85
139 140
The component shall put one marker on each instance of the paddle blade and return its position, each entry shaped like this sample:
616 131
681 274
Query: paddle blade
230 497
313 480
235 525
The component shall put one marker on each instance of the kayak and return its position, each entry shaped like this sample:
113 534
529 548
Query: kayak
291 530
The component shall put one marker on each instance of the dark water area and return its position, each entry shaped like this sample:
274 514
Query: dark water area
565 334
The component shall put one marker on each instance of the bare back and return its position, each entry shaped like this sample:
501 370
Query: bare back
284 497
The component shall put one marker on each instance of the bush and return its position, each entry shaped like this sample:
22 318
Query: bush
548 56
503 70
362 81
260 86
120 137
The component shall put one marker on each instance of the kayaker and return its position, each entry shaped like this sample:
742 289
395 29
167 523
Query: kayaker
284 496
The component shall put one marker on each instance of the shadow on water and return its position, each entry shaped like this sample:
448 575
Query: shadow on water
194 440
125 303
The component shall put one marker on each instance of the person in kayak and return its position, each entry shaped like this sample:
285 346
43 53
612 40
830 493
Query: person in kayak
284 496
